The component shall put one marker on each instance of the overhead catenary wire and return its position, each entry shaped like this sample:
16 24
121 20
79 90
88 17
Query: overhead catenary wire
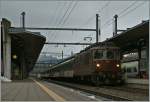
58 15
101 9
132 9
109 22
55 13
70 12
66 17
60 10
50 35
123 13
61 19
55 21
132 4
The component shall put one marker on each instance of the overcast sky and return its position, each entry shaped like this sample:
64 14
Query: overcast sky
74 14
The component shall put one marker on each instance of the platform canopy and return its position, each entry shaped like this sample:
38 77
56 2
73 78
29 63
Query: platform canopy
129 39
30 43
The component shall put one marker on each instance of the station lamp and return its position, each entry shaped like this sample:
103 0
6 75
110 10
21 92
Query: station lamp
125 55
14 56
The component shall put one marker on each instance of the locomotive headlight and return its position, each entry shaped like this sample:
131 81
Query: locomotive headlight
97 65
117 65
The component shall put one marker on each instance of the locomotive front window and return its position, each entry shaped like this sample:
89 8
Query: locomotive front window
98 54
110 54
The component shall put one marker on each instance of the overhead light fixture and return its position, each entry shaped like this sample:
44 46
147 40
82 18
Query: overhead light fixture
14 56
125 55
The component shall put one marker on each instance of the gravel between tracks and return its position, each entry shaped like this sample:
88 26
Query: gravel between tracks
111 93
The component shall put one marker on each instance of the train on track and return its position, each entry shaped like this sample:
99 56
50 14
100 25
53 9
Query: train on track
98 64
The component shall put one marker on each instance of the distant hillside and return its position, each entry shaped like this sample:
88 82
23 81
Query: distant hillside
44 62
48 59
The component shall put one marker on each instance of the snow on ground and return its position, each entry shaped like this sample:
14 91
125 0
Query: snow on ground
2 78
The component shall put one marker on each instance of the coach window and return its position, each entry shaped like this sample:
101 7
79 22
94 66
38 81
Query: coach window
129 70
98 54
124 69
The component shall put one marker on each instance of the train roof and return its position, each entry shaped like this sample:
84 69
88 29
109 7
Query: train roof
99 44
62 63
66 59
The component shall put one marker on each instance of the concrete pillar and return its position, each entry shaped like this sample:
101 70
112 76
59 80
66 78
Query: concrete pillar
139 64
1 55
147 56
7 69
23 66
6 48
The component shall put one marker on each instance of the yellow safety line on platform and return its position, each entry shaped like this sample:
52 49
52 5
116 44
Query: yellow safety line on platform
49 92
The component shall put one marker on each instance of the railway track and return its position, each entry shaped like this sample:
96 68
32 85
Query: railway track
116 94
138 86
129 89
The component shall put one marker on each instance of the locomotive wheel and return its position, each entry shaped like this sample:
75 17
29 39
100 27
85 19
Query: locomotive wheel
122 82
93 80
96 81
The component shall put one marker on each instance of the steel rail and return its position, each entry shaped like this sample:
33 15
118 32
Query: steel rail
88 90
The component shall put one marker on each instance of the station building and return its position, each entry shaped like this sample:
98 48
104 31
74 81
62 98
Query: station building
20 50
134 46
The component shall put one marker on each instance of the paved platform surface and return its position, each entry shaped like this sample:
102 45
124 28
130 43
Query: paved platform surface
137 81
35 90
25 90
